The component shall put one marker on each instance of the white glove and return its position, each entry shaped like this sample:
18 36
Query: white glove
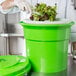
23 5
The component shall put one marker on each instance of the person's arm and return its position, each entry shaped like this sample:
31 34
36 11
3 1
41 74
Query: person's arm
6 5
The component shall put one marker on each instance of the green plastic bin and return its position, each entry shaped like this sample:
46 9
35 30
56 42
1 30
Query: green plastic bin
47 44
12 65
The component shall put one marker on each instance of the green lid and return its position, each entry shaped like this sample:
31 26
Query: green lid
13 65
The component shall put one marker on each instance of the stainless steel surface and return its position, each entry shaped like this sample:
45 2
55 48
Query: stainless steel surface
14 33
75 4
6 35
11 20
3 44
71 67
11 34
70 72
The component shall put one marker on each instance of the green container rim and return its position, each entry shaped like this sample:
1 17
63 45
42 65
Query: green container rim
61 23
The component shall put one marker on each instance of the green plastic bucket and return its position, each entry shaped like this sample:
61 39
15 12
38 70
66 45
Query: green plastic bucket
47 44
12 65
